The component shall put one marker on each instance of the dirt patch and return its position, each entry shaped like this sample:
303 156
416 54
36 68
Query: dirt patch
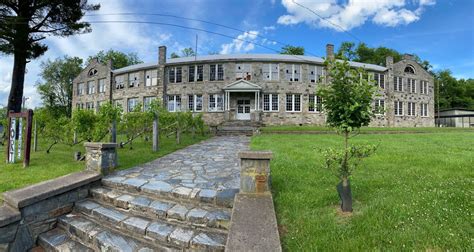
282 230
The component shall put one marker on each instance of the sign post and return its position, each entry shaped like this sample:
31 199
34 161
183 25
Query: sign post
16 138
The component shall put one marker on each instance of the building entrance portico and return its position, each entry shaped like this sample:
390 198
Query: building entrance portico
242 101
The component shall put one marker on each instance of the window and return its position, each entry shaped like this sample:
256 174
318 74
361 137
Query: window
195 103
216 102
133 79
80 89
315 73
175 75
270 102
411 109
423 87
90 87
89 105
79 105
411 85
424 109
151 78
293 102
398 108
270 72
118 103
92 72
379 107
409 69
102 86
216 72
243 71
293 72
315 103
132 103
119 82
174 103
147 102
379 80
398 84
195 73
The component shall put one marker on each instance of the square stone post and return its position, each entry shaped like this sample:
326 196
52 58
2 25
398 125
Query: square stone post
101 157
255 171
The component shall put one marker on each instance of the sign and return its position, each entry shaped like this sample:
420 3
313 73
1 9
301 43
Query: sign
17 139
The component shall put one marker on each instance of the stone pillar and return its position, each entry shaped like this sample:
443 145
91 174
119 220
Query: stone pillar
255 171
162 81
330 51
101 157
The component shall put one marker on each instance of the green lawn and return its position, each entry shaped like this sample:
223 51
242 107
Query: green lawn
60 161
315 128
415 193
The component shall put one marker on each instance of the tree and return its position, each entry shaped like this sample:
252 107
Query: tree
292 50
119 59
56 90
174 55
188 52
23 24
346 51
453 93
347 104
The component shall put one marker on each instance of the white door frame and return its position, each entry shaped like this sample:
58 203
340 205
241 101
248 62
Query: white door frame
243 110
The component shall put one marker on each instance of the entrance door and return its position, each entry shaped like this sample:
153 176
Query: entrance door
243 109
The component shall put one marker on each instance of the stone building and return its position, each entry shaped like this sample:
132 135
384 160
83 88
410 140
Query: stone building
272 89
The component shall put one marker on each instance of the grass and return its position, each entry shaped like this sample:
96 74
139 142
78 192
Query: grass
315 128
60 161
415 193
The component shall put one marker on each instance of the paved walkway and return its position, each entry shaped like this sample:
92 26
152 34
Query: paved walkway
211 164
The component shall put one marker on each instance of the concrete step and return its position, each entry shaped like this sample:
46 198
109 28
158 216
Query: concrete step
198 215
156 234
59 240
162 190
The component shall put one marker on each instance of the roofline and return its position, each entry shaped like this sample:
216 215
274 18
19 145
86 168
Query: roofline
463 109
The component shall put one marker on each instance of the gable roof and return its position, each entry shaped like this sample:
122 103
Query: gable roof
242 85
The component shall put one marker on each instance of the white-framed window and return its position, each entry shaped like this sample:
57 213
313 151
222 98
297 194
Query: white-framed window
90 105
119 81
315 103
133 79
423 87
80 88
195 73
398 108
216 102
270 102
293 102
132 103
175 74
101 85
118 103
411 109
293 72
174 103
379 107
424 109
271 71
379 80
216 72
80 105
195 103
315 73
243 71
411 85
147 102
151 78
91 87
398 84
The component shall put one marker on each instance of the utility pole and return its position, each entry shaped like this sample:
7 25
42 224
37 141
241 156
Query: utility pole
196 49
439 122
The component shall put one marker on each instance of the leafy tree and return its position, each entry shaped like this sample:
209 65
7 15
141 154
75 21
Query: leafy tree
292 50
174 55
188 52
53 128
56 90
119 59
453 93
134 124
23 24
347 104
346 51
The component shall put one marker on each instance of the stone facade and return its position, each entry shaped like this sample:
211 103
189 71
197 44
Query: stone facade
238 87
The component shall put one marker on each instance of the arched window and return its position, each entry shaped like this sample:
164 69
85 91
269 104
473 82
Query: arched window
92 72
409 69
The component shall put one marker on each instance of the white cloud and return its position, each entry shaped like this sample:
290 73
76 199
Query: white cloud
269 28
241 44
352 14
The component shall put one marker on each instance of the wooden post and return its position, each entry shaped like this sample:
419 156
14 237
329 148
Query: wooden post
155 134
113 132
29 118
35 139
8 135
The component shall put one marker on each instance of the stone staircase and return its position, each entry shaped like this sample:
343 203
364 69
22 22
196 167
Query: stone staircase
129 215
238 127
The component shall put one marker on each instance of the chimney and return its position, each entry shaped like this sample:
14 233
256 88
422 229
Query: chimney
110 64
162 74
407 56
330 51
161 55
389 61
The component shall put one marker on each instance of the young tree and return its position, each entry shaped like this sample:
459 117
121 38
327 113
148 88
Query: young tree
23 24
292 50
188 52
347 104
56 90
174 55
119 59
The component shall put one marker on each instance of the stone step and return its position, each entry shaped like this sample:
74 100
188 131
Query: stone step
201 215
158 233
174 192
59 240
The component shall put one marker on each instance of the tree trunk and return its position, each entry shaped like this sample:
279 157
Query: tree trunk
345 193
18 80
178 136
113 132
155 134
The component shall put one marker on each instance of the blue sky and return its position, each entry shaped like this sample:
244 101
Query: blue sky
440 31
